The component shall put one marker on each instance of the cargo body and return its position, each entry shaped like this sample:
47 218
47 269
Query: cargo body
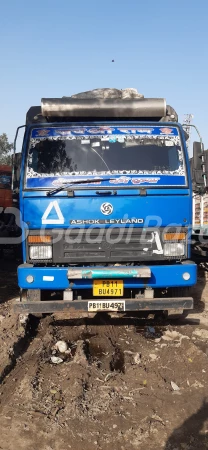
200 211
5 186
199 173
107 210
10 232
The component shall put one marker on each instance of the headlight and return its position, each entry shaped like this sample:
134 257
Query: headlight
40 252
174 249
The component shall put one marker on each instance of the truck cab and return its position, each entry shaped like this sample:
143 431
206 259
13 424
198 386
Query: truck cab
106 204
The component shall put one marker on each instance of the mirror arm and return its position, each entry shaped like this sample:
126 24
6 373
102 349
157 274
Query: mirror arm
16 135
14 152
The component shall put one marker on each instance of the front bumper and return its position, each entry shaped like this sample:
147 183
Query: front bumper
135 277
157 304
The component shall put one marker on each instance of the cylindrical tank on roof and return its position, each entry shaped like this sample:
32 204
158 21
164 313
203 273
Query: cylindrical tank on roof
103 108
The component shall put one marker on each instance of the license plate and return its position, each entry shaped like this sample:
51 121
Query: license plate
108 288
103 305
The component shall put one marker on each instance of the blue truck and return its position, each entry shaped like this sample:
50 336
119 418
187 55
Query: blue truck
105 197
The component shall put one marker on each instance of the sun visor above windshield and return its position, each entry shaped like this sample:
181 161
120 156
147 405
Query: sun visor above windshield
104 108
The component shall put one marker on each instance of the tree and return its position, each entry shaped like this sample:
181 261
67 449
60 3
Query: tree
5 149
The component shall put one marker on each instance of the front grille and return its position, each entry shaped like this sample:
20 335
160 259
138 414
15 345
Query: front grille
105 245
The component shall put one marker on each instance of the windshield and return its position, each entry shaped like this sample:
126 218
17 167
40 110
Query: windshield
104 150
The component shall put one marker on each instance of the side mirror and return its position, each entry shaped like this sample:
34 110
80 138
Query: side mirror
197 172
197 155
16 164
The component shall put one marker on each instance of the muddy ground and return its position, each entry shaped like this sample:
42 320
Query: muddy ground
124 383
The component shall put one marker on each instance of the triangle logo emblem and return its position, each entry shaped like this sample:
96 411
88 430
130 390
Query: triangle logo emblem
60 217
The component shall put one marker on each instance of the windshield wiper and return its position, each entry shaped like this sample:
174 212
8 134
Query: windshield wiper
86 181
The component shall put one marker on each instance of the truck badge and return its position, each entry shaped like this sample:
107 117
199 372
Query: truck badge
106 208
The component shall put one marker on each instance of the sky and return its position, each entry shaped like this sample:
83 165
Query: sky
55 48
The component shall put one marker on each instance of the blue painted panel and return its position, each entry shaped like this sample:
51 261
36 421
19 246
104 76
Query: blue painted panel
154 210
161 276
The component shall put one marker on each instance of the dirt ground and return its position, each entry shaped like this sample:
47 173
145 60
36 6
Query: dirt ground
124 383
